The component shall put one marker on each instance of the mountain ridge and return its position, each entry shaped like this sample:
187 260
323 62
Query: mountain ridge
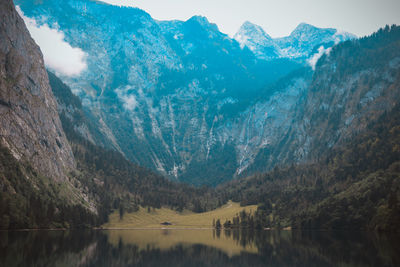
30 125
177 97
38 181
257 40
145 84
300 44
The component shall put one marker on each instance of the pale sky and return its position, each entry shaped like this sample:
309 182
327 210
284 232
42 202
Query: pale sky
278 17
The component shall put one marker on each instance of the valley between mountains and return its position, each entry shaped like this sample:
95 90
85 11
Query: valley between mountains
176 117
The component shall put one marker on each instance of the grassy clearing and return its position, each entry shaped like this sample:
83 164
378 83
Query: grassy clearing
185 219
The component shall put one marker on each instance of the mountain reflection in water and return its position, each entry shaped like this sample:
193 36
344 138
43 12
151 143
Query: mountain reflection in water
197 248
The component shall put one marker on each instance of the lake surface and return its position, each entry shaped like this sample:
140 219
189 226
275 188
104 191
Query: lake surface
197 248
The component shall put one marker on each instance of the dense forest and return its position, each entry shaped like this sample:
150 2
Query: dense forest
352 185
356 186
40 206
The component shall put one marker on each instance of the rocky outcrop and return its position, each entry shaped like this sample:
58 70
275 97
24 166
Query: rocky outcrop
29 124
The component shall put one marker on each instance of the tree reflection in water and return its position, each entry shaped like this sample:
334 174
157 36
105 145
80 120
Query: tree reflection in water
259 248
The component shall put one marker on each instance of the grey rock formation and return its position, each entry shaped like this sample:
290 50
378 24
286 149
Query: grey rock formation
29 122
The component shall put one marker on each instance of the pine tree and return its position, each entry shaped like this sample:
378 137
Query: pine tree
218 224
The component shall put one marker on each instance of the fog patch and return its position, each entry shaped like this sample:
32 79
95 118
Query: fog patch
314 59
127 97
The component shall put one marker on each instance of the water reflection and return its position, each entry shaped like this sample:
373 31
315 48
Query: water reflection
197 248
166 239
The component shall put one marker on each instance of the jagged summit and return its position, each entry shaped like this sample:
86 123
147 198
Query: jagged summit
306 31
203 22
200 19
303 27
300 44
252 28
257 40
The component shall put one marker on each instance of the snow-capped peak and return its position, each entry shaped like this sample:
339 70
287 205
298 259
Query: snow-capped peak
301 43
306 31
257 40
249 28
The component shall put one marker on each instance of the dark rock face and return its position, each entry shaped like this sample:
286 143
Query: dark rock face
29 124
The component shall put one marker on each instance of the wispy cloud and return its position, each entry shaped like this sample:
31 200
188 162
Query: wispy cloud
314 59
58 55
126 96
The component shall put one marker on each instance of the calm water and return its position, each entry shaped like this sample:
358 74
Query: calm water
197 248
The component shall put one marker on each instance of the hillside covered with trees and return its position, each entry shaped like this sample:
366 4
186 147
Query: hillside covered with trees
351 185
355 186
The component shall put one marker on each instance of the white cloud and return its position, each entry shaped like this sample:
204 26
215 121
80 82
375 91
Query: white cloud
127 98
314 59
130 102
58 55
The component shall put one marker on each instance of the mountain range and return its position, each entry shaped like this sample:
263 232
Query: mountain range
176 96
162 102
301 44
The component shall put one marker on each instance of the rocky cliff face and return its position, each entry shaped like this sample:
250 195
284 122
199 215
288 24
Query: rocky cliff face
265 125
70 108
159 90
350 89
30 126
183 98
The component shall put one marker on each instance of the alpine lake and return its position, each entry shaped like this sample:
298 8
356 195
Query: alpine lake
205 247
